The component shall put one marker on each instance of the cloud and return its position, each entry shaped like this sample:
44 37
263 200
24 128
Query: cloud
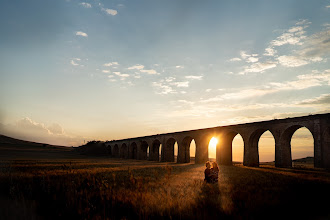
235 59
292 61
151 72
121 75
328 6
86 5
258 67
269 51
110 11
80 33
28 129
323 99
181 84
293 36
74 63
194 77
162 88
105 71
111 64
316 46
303 82
179 67
136 67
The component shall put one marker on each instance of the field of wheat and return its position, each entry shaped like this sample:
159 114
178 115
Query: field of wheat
104 188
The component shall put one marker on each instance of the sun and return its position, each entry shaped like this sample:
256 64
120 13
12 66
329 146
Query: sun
213 142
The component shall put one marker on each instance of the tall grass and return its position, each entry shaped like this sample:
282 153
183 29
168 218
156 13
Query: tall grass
118 189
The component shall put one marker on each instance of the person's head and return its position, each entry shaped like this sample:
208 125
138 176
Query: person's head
208 165
215 165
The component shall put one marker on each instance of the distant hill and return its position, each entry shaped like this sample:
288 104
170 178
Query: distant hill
304 160
5 140
12 148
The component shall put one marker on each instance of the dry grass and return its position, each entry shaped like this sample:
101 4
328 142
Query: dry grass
78 187
129 189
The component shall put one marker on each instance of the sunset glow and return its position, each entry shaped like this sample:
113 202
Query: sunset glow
109 70
213 147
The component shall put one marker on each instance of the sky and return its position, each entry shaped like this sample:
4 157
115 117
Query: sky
73 71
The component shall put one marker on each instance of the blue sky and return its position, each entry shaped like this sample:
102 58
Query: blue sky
82 70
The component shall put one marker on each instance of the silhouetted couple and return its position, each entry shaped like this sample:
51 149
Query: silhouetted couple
211 174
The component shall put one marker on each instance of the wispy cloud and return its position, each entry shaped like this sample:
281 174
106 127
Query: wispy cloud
136 67
75 62
86 5
293 36
162 88
258 67
181 84
194 77
303 82
323 99
111 64
109 11
80 33
150 72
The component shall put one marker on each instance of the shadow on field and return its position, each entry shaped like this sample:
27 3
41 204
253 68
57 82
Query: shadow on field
282 193
130 189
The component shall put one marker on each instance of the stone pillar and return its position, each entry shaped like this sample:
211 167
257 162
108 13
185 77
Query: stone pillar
141 152
168 150
202 145
251 157
181 153
283 152
318 139
154 152
325 163
224 150
251 154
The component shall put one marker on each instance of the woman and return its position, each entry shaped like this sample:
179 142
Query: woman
214 173
207 172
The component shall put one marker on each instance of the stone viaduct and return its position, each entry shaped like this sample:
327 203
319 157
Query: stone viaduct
281 129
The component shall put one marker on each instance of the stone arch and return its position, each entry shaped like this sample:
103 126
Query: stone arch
133 151
225 149
123 151
251 154
154 150
169 150
115 150
184 150
285 151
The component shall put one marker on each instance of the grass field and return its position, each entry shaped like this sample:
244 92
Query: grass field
53 183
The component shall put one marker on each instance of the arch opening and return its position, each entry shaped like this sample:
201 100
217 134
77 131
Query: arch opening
266 148
238 149
212 149
302 148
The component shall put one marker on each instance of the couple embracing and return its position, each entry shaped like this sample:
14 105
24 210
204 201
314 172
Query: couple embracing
211 174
